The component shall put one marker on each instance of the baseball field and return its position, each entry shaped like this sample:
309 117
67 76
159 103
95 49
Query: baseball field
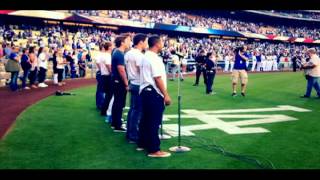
272 128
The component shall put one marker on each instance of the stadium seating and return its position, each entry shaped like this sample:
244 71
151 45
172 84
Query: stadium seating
188 46
180 18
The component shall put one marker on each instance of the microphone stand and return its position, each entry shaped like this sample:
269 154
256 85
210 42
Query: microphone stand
179 148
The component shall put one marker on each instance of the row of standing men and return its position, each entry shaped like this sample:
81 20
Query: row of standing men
141 72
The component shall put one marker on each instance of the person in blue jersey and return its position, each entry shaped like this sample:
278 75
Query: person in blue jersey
240 71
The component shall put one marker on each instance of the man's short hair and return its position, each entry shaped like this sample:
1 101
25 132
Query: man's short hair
241 48
153 40
312 51
121 38
139 37
24 50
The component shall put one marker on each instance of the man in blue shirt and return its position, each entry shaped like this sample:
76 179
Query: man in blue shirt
239 71
120 80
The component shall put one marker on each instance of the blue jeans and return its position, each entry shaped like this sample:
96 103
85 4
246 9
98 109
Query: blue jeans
73 72
24 77
134 114
66 72
14 79
313 82
82 72
99 91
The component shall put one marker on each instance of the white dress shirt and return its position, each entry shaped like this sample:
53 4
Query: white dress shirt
151 67
133 59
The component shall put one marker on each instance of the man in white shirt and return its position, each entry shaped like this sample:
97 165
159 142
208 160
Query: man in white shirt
254 61
104 88
263 62
154 97
314 73
133 59
269 62
274 63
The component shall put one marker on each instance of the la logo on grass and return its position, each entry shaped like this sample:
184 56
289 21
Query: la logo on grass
213 120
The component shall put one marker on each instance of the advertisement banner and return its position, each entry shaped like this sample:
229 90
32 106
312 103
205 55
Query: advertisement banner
281 38
41 14
253 35
271 36
308 40
299 40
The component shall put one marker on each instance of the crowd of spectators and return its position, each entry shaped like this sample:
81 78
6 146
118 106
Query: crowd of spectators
296 14
206 21
78 45
190 47
89 38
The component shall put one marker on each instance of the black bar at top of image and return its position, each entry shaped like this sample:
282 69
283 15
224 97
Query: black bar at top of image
159 4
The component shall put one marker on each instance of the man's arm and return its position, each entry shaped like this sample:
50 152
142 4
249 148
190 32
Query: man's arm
123 75
138 64
108 67
243 57
17 58
161 87
308 65
98 66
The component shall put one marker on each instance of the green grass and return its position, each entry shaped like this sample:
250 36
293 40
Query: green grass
68 133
